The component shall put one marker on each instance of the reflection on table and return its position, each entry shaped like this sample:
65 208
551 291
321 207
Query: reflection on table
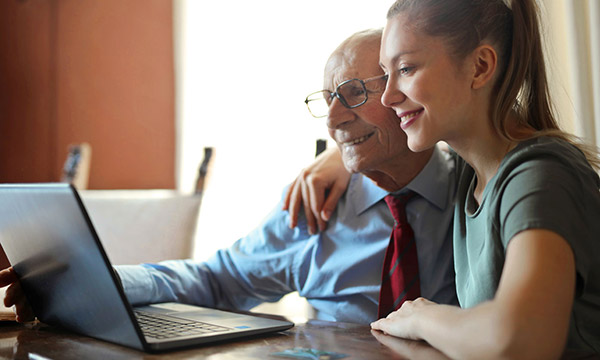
39 341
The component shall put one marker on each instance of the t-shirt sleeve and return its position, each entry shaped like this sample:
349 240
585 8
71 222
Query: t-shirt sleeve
545 194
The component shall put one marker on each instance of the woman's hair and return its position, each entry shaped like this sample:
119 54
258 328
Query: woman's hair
514 32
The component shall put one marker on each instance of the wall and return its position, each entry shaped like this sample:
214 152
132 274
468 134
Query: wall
96 71
554 27
26 149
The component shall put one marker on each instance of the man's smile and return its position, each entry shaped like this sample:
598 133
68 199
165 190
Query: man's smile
357 141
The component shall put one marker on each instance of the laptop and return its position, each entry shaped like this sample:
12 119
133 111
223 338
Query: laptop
69 281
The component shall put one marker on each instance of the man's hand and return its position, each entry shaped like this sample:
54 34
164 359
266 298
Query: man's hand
15 296
318 188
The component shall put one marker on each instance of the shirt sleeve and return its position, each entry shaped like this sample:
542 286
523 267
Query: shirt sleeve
259 267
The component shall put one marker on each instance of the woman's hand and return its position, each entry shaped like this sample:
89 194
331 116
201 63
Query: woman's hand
403 322
409 349
15 296
532 306
318 188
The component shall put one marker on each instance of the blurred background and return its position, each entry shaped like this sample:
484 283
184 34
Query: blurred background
149 84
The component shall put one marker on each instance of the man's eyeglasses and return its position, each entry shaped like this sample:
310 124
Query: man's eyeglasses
351 93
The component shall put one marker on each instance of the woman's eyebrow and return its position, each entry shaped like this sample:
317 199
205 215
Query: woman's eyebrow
398 56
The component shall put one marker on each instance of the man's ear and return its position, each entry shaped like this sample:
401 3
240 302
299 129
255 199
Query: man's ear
485 61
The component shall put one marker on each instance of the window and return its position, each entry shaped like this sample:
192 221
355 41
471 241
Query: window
243 70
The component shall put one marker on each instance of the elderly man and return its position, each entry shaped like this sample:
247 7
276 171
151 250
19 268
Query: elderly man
339 270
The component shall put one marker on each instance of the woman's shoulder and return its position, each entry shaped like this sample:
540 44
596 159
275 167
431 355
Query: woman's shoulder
544 144
549 152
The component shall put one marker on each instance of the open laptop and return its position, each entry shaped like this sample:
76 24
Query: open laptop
69 281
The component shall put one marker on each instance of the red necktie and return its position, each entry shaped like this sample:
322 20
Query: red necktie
400 275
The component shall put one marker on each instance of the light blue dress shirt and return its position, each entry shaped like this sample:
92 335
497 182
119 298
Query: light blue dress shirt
338 271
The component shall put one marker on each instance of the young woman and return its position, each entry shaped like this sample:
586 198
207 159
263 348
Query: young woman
527 218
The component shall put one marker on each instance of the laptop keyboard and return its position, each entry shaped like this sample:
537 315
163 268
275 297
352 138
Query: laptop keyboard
163 326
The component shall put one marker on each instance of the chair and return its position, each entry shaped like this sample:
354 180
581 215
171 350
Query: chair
76 169
138 226
144 226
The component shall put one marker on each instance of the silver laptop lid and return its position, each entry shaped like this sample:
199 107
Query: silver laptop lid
64 271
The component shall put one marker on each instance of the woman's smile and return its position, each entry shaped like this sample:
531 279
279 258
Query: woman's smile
408 117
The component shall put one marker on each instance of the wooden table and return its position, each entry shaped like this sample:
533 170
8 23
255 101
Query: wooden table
36 341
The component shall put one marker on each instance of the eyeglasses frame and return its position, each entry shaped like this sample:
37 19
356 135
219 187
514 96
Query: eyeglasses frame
340 97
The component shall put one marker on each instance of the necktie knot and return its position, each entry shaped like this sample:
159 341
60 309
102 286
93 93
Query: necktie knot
397 205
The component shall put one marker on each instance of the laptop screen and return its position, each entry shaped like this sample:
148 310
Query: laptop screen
63 270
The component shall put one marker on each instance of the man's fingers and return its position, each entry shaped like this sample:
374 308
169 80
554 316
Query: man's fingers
288 196
317 195
24 311
15 296
311 221
7 277
295 203
12 295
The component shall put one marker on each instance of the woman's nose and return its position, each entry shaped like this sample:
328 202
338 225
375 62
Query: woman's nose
392 95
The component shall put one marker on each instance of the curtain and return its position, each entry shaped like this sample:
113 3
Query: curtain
583 29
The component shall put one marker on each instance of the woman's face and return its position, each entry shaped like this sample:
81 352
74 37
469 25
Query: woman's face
428 89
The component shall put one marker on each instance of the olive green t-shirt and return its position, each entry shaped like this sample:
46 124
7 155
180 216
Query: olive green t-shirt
544 183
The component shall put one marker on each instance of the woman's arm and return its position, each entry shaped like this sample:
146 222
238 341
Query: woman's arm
326 174
528 318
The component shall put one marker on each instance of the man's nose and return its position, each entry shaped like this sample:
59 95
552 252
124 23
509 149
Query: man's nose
338 114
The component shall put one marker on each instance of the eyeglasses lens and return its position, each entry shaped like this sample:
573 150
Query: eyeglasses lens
353 92
318 103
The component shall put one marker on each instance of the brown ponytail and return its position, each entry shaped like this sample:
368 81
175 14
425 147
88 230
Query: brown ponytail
524 88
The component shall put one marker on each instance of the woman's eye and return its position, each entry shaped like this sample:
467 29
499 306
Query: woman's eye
405 70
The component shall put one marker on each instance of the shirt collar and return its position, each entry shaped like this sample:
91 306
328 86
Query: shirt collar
432 183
